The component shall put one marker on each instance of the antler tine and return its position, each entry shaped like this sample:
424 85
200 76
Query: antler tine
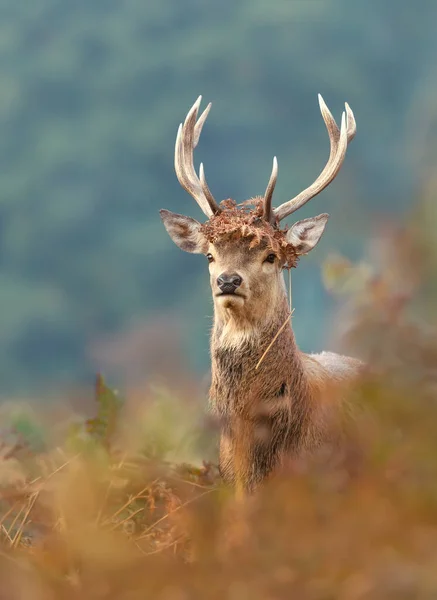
200 122
351 123
331 126
339 140
268 214
186 140
206 189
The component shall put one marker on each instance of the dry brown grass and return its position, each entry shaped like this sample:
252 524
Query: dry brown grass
108 514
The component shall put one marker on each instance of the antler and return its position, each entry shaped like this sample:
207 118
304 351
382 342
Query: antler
186 140
339 140
268 215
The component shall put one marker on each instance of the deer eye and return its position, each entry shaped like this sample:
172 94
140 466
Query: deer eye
210 258
271 258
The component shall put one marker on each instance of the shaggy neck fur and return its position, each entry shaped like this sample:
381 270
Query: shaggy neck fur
238 386
265 411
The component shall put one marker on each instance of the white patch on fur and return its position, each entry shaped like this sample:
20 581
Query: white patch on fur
341 367
233 337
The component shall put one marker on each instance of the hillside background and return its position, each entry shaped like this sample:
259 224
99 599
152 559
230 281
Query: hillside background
91 94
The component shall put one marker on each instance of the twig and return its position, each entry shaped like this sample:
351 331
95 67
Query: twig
5 531
274 339
19 533
127 518
289 292
166 547
153 525
17 516
193 483
8 512
139 548
56 470
132 499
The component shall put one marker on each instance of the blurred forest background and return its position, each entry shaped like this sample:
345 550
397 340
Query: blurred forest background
91 95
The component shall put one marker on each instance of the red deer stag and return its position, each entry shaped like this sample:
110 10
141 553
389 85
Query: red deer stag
282 403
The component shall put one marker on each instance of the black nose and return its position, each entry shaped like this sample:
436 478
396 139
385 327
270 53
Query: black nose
228 283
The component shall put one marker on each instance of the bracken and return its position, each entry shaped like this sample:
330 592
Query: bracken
246 220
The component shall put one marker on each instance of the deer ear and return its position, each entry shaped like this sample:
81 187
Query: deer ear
305 234
184 231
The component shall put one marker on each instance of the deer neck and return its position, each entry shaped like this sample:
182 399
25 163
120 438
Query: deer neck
254 365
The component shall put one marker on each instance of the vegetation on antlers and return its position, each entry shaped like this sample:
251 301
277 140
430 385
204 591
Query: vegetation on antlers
245 221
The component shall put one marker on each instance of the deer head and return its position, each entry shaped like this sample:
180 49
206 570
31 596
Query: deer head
244 244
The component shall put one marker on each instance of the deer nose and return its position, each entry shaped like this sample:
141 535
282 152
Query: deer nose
228 283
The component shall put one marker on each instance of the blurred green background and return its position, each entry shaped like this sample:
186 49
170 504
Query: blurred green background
91 94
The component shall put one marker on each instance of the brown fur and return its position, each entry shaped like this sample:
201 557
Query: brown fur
291 403
289 406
